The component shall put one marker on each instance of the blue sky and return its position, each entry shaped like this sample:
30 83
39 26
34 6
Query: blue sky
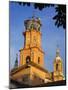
51 35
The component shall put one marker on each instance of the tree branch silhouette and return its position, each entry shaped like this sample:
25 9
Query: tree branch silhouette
60 17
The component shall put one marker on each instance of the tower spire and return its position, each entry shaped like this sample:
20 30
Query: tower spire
57 51
16 61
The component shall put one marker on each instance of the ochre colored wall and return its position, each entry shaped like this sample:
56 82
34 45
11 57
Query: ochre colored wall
39 72
21 73
38 54
34 57
32 43
27 39
58 74
35 38
23 54
32 38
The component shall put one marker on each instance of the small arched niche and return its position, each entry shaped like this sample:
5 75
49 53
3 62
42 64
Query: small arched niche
56 66
27 59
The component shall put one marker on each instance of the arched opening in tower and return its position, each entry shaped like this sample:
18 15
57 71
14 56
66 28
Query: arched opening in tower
27 59
56 66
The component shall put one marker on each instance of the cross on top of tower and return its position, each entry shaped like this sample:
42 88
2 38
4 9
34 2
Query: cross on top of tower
33 14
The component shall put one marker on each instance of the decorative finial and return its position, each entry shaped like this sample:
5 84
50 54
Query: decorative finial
57 51
33 14
16 56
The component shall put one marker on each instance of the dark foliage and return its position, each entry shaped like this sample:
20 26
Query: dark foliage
41 6
60 17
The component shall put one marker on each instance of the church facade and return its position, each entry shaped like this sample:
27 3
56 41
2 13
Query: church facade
30 70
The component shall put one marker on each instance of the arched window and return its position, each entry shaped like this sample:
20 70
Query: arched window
56 66
38 60
27 59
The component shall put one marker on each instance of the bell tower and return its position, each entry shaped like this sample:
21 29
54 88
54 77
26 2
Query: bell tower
31 69
32 51
58 67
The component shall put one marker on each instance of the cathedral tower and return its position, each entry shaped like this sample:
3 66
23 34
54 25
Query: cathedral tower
32 50
31 66
58 67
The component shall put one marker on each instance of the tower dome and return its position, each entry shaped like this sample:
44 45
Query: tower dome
58 58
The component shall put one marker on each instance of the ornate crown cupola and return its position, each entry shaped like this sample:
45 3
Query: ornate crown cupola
32 34
33 24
